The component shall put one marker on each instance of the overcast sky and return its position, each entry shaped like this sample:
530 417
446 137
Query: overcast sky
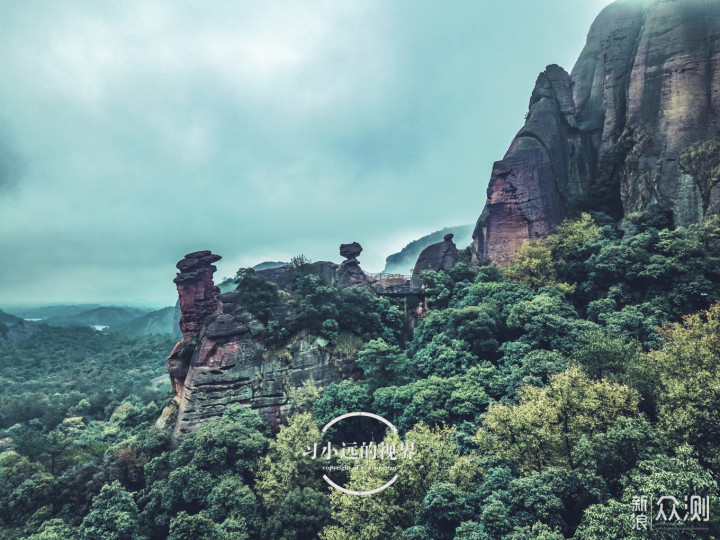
132 133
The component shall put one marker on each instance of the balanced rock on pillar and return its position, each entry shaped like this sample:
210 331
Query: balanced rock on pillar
349 272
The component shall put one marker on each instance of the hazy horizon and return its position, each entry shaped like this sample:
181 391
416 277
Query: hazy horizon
133 133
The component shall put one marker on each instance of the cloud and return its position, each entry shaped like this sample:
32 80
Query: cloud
11 166
257 129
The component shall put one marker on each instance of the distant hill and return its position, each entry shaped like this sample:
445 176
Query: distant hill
101 316
228 284
155 322
6 318
404 261
56 311
269 264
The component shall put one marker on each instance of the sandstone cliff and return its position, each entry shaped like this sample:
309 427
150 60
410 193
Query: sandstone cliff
611 135
226 355
223 357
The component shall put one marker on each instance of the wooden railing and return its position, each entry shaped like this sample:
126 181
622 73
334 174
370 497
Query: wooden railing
381 275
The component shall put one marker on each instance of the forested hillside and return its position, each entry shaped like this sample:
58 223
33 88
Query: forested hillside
541 399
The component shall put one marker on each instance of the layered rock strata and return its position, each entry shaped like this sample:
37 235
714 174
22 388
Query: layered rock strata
198 298
222 357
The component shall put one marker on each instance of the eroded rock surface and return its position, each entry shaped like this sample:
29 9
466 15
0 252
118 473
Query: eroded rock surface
609 136
440 256
222 357
349 273
199 297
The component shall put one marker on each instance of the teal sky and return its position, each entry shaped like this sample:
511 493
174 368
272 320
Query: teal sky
134 132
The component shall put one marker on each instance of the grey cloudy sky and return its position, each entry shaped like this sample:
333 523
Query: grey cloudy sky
134 132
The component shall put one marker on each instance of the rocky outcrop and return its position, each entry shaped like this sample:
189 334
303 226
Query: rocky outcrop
232 366
176 332
610 135
349 273
199 298
389 283
440 256
280 276
403 261
223 359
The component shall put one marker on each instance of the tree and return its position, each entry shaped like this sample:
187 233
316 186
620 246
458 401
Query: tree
688 366
233 442
443 509
113 515
301 514
342 398
62 439
471 530
662 475
547 322
299 261
435 400
543 429
31 495
602 355
438 287
197 474
304 397
448 342
538 531
611 520
368 316
534 267
258 295
389 512
617 451
571 234
317 303
283 469
532 369
54 529
382 364
232 499
193 527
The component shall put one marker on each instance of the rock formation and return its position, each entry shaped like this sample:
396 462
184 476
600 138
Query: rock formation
403 261
199 297
349 273
222 357
611 135
440 256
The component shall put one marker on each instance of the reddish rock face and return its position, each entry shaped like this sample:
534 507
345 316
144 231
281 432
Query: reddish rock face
222 358
350 274
199 297
440 256
609 136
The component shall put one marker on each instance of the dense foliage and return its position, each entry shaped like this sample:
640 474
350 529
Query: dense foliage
541 399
